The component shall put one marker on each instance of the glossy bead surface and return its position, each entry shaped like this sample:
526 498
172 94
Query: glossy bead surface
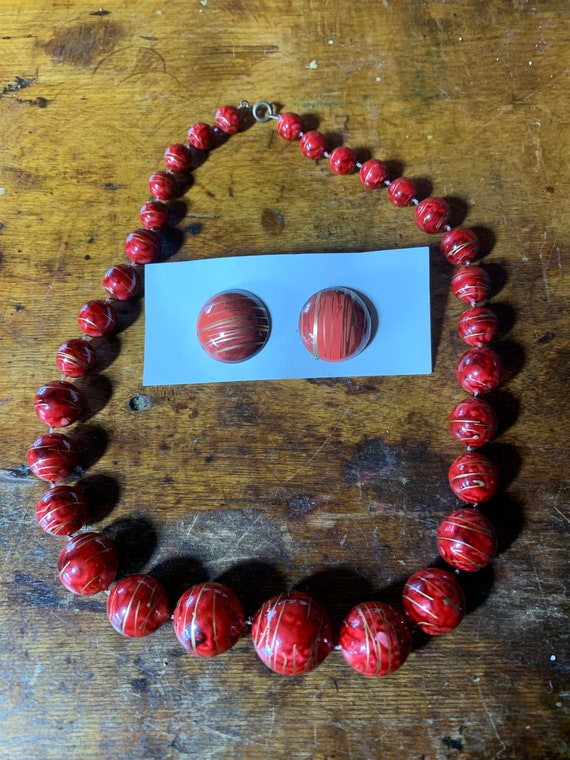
201 136
289 126
473 422
478 326
58 403
75 357
466 540
479 370
434 601
471 284
96 319
313 145
342 160
121 282
137 606
228 119
375 639
163 185
292 634
61 511
142 246
402 191
233 326
177 158
473 478
153 215
432 215
373 174
335 324
459 246
88 564
52 457
208 619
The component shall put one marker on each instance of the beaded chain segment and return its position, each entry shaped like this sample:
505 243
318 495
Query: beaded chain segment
291 632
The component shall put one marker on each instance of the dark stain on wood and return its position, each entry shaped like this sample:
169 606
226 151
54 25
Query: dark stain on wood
81 45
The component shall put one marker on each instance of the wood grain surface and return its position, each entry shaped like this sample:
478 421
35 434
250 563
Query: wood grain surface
335 487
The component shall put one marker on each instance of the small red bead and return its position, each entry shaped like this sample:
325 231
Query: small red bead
313 145
402 191
460 246
88 563
97 318
52 457
121 282
163 185
137 605
201 136
375 639
473 422
479 370
153 215
208 619
473 478
342 160
177 158
467 540
471 284
58 403
228 119
289 126
432 215
478 326
373 174
76 357
142 246
61 511
434 601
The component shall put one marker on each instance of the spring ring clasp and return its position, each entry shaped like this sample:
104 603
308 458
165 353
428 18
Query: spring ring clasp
263 111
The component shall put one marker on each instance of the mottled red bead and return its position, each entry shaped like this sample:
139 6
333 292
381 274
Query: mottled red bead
52 457
473 422
375 639
432 215
121 282
335 324
466 540
479 370
142 246
473 478
163 185
177 158
201 136
58 403
137 605
471 284
478 326
342 160
434 601
233 326
61 511
373 174
292 633
154 215
402 191
228 119
88 563
208 619
289 126
313 145
76 357
97 318
460 246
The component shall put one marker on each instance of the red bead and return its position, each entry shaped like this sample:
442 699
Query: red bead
460 246
201 136
434 601
373 174
292 633
432 215
177 158
479 370
402 191
335 324
471 284
342 160
163 185
313 145
466 540
121 282
61 511
233 326
208 619
88 563
478 326
473 422
58 403
97 318
137 606
153 215
142 246
75 357
228 119
52 457
289 126
375 639
473 478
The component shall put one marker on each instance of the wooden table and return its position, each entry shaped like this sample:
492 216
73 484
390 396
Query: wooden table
334 487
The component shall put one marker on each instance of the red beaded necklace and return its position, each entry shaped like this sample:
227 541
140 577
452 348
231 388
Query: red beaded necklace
291 632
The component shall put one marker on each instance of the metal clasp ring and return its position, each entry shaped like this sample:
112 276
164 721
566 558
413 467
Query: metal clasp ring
263 111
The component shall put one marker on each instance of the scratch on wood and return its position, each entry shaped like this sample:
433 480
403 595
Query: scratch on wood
321 447
491 720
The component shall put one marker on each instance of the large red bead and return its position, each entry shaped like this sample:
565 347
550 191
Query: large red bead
178 158
432 215
53 457
122 282
201 136
335 324
88 563
313 145
76 357
58 403
137 605
466 540
373 174
96 319
61 511
289 126
163 185
208 619
228 119
473 422
153 215
292 633
402 191
233 326
375 639
460 246
473 478
478 326
471 284
479 370
342 160
142 246
434 601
